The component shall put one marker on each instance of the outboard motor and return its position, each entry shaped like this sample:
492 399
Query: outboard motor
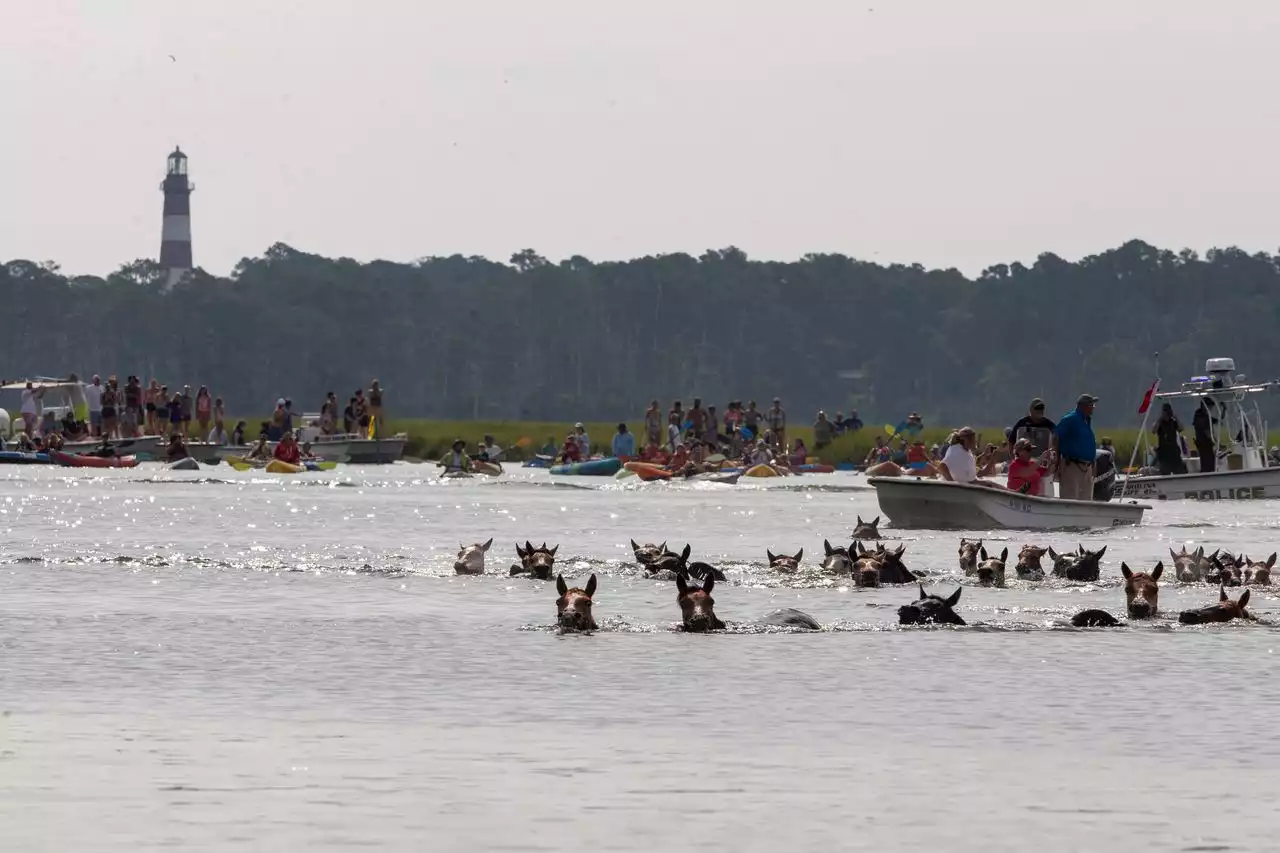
1104 475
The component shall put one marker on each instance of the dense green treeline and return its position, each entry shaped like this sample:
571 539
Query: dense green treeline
465 337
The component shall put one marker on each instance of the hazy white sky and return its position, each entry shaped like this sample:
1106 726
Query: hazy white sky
949 132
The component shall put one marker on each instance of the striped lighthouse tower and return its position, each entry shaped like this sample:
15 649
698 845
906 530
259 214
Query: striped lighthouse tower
175 236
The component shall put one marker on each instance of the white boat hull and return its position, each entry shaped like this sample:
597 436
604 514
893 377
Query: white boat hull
912 503
1247 484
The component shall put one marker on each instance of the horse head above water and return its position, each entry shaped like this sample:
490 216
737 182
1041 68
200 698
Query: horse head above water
573 607
1142 591
536 562
1224 611
470 559
931 610
697 607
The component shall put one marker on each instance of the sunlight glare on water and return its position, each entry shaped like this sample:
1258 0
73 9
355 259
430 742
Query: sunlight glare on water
226 661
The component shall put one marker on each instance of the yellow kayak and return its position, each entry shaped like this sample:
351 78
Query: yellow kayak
760 471
277 466
491 468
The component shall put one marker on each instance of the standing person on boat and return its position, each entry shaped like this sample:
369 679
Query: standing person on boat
1203 422
93 396
288 415
31 408
653 423
131 423
275 431
110 401
751 419
624 443
732 419
1077 450
853 423
186 405
375 404
698 418
149 400
327 415
1168 449
583 441
349 417
675 417
823 431
776 417
237 434
713 428
287 450
175 414
361 407
162 410
204 409
1035 428
76 396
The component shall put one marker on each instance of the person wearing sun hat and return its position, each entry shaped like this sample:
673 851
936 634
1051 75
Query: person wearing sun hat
1077 449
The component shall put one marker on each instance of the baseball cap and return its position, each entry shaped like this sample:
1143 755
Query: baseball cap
1086 398
1037 403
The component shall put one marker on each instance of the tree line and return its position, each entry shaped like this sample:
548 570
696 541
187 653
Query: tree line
469 338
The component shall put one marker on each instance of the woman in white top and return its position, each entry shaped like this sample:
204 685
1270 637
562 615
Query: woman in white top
958 463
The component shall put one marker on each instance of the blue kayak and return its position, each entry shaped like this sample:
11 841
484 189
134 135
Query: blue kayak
591 468
18 457
539 462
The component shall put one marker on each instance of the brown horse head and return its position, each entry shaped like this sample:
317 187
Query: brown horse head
783 563
990 570
867 529
866 565
1141 591
697 607
470 559
535 561
969 555
1188 567
1259 574
670 561
931 610
573 607
1028 566
1226 569
1224 611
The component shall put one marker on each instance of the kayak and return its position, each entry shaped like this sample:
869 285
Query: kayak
491 468
814 468
279 466
73 460
624 474
648 471
760 471
455 475
318 465
185 464
539 462
18 457
605 467
715 477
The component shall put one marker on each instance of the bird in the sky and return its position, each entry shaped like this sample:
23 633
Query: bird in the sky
173 58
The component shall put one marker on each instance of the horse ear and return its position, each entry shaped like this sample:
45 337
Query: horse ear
1004 555
519 553
664 545
875 522
684 555
982 552
485 546
1053 555
1157 571
591 586
1200 553
1103 551
553 550
528 546
1172 554
826 547
1125 570
769 554
709 582
681 586
1244 599
954 598
634 546
561 586
799 555
1271 561
902 549
859 521
922 595
1222 593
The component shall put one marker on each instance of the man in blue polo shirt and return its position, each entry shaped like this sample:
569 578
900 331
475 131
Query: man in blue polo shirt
1077 449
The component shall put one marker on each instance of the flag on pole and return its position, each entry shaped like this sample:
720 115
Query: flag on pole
1146 398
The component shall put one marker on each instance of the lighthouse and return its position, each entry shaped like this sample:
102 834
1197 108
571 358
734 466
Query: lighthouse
175 234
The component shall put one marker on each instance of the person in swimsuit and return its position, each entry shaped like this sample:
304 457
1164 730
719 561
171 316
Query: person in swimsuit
175 414
375 402
110 400
204 409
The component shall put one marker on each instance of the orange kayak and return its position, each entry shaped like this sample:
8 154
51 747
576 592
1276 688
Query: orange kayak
648 471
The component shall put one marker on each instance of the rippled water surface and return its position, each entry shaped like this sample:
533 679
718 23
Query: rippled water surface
223 661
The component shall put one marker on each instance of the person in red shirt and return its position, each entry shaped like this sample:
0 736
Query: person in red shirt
570 452
287 450
1024 472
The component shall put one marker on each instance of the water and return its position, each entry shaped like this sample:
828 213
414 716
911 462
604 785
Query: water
239 662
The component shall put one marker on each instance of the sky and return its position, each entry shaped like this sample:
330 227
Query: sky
941 132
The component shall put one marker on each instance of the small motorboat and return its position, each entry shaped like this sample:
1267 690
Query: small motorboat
912 503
